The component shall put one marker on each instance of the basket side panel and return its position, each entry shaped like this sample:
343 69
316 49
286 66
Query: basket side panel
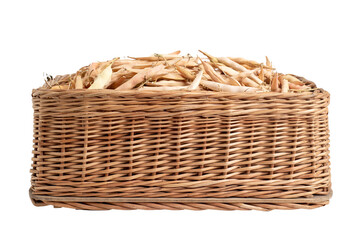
201 148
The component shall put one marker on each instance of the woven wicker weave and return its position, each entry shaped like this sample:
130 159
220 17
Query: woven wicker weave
106 149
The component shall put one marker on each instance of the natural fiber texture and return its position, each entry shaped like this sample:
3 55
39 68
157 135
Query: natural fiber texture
182 147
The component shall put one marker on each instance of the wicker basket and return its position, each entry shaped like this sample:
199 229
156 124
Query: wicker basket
105 149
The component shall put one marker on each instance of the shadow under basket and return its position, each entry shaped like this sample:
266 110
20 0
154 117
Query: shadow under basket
107 149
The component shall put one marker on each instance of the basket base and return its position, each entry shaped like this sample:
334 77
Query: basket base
95 203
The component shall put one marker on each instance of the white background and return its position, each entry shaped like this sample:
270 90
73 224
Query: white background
320 40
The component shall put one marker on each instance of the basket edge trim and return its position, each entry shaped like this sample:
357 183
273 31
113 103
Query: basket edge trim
315 199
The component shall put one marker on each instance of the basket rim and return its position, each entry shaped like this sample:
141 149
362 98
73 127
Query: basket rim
50 93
